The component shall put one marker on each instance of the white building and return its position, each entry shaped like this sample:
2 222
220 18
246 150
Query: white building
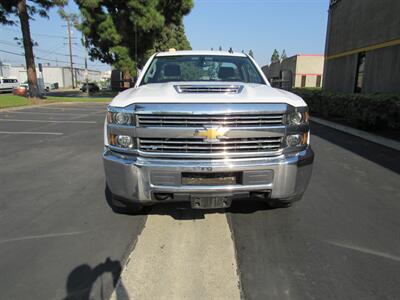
298 71
55 74
4 69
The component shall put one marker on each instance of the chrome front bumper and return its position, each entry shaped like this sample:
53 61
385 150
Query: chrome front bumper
139 179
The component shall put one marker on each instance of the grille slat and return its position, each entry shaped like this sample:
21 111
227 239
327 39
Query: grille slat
210 117
196 145
213 120
200 141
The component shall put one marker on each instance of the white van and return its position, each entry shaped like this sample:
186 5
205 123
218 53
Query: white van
8 84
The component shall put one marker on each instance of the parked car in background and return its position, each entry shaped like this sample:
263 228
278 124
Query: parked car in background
21 90
50 86
8 84
93 87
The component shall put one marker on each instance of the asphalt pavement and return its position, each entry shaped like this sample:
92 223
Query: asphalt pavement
342 241
60 240
58 237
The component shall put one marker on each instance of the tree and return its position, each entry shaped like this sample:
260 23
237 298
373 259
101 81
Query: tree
13 12
275 57
124 33
283 56
172 36
251 53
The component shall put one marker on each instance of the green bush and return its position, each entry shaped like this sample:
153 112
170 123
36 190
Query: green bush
369 111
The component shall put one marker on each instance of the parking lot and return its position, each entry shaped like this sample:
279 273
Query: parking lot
56 229
60 240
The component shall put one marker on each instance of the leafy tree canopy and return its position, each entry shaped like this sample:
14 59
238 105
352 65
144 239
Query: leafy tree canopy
124 33
283 56
13 12
275 57
9 9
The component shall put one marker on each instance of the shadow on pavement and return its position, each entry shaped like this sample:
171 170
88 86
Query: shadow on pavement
386 157
82 279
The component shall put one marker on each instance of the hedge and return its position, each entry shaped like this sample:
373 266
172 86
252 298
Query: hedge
364 111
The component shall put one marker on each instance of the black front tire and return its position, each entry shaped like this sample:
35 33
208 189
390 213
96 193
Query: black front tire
120 205
275 203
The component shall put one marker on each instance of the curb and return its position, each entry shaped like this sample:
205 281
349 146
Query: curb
360 133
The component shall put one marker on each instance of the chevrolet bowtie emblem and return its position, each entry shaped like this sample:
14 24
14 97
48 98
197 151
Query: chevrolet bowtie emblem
211 134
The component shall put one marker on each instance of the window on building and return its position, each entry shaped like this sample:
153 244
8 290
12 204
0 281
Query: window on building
319 80
303 81
360 73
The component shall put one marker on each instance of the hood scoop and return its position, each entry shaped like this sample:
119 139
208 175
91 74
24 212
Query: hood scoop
208 89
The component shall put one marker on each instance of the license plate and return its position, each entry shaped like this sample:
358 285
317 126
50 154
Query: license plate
211 178
210 202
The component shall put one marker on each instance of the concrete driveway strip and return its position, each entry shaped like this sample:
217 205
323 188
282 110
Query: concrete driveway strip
181 259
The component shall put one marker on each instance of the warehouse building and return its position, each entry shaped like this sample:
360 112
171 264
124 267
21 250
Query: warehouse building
56 74
298 71
363 46
4 69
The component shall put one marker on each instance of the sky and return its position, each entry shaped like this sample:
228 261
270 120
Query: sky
298 26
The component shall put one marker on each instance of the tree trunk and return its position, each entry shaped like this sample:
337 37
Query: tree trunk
29 58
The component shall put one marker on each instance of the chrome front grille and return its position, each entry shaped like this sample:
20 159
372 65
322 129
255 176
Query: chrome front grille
237 120
209 89
199 145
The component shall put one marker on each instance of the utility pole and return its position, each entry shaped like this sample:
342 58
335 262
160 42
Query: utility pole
70 49
86 67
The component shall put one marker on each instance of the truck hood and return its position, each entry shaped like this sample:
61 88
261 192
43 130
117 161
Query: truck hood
166 93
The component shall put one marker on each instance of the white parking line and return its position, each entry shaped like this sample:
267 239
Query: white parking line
47 121
31 132
46 113
70 108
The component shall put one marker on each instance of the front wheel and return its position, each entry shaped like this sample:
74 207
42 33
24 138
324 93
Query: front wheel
120 205
276 203
283 203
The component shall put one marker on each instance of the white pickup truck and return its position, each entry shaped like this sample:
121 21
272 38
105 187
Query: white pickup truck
205 127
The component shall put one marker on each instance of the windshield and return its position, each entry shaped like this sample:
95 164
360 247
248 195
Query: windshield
209 68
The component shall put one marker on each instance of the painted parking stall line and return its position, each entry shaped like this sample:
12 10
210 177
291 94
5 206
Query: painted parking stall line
48 121
31 132
48 113
69 108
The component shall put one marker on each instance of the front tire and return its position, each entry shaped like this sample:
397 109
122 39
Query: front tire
283 203
276 203
120 205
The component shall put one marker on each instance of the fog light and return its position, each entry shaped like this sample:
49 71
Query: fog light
294 140
124 141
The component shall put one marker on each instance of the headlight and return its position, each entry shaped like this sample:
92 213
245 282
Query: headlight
297 118
121 118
